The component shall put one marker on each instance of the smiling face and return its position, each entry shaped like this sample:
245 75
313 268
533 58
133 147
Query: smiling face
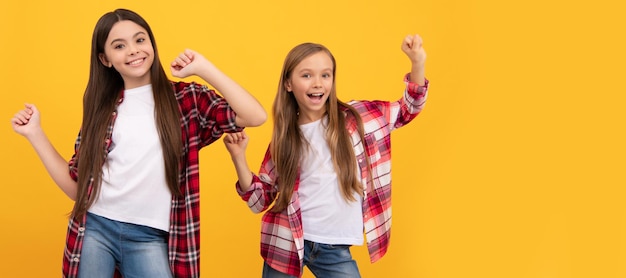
129 50
310 83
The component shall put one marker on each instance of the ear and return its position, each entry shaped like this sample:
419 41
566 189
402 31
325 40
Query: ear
104 60
288 86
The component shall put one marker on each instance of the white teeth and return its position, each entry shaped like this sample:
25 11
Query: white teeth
135 62
317 95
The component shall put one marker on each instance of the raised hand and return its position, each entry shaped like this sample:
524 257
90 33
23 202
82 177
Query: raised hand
26 121
189 63
236 143
412 47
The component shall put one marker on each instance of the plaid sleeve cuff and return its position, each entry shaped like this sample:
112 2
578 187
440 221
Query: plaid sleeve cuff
414 87
246 194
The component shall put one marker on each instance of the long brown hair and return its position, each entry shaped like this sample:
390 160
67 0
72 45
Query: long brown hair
288 142
99 101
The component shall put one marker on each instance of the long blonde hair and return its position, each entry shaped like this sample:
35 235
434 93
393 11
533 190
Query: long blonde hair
288 142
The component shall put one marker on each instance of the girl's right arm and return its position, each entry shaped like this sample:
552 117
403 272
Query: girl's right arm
236 144
26 122
258 193
412 47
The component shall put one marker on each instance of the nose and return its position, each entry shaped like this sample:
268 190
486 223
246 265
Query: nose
318 82
132 48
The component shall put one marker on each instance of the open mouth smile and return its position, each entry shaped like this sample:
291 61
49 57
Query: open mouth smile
136 62
316 95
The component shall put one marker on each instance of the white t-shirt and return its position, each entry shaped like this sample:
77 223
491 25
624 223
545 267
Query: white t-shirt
133 188
327 217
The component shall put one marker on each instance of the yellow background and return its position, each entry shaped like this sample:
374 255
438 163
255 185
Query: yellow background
515 168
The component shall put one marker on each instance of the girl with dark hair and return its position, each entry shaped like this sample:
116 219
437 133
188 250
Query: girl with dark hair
134 174
327 170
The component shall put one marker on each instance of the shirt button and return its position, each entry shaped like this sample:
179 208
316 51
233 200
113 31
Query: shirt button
81 229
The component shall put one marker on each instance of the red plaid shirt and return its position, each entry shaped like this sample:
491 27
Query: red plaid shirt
205 116
282 242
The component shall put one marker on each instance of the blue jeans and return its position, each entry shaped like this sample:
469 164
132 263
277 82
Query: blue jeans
136 250
323 260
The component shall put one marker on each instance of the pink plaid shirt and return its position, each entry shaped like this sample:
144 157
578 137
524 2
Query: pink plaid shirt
205 116
282 242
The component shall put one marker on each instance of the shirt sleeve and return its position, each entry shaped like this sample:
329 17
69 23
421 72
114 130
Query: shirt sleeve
213 113
393 115
415 95
263 189
410 105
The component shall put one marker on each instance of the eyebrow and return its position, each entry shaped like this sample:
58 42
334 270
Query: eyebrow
134 36
312 70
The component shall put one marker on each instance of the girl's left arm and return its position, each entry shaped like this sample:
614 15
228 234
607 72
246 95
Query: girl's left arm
248 109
